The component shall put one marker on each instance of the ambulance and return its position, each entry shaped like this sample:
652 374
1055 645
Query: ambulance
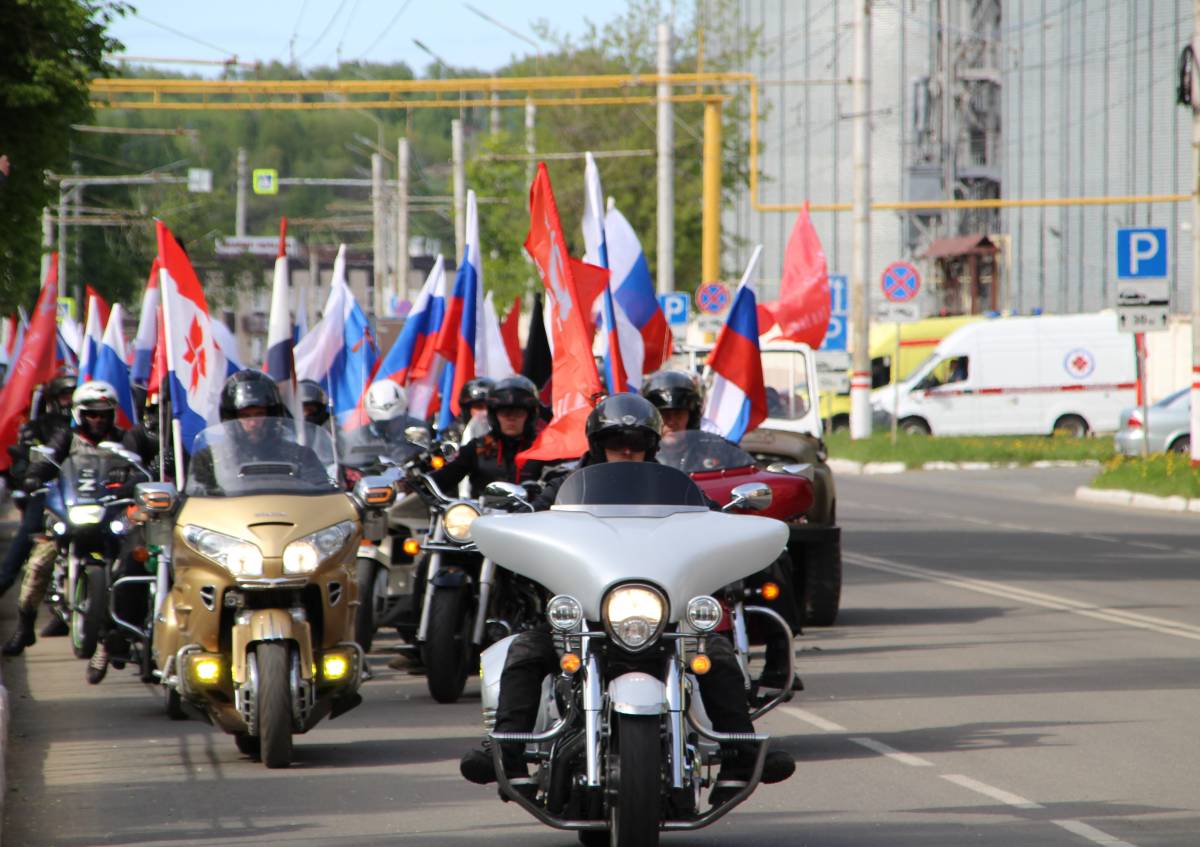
1070 374
917 339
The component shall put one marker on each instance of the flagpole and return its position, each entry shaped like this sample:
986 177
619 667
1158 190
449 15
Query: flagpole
176 430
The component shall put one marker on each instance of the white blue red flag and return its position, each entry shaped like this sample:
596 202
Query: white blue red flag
340 351
418 337
737 400
196 367
280 364
111 367
495 361
147 331
93 334
596 252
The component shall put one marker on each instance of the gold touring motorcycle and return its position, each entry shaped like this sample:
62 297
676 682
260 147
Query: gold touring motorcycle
257 631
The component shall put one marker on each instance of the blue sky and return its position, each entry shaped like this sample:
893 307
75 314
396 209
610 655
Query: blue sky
372 30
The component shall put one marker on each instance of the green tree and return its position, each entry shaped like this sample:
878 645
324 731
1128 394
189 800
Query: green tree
49 51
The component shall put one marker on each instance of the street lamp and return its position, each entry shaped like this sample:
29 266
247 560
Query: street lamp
445 65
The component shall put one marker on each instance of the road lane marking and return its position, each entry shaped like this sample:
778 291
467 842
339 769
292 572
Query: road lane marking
892 753
1006 797
1150 545
1107 539
1092 834
1034 598
814 720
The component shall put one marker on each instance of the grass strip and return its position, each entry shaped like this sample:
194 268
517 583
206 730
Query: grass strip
1162 474
916 450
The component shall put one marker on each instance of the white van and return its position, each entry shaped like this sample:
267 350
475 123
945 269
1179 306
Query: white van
1018 376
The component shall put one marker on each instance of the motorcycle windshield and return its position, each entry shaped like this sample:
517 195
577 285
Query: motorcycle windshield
631 486
362 448
84 477
693 451
261 456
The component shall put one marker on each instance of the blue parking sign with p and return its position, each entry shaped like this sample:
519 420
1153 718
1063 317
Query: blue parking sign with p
839 303
675 307
1141 252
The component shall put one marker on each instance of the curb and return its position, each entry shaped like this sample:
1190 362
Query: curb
1136 499
848 466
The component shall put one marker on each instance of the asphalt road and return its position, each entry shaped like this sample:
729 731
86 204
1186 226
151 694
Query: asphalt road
1010 667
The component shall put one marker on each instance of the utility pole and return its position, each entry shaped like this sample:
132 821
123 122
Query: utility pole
378 214
495 115
666 167
530 139
402 217
47 239
860 371
63 194
314 275
243 177
460 189
949 148
1195 438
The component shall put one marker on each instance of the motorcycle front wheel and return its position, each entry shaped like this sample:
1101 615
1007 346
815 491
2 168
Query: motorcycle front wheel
447 647
274 704
364 620
88 609
633 810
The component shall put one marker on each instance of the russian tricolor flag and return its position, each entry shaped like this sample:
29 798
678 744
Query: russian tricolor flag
280 364
147 331
737 400
460 330
93 335
413 359
596 253
111 367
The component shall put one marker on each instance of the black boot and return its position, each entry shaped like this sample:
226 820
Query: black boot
736 772
24 636
54 628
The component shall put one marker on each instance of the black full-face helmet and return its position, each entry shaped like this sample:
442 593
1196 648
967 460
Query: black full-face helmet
312 394
672 389
514 392
625 419
59 393
473 391
248 388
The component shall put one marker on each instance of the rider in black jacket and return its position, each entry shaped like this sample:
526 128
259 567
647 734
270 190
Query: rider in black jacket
512 410
622 428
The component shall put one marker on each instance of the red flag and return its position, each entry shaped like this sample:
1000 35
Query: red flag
101 303
802 310
34 366
508 331
571 288
158 365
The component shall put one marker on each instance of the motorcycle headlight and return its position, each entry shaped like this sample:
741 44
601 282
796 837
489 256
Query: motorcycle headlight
84 515
305 555
458 519
240 558
564 612
703 613
634 615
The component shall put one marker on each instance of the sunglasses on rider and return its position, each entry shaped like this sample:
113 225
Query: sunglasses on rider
94 413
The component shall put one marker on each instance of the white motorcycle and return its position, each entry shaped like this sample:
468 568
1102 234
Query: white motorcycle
634 557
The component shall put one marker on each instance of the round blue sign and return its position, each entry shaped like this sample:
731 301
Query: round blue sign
900 282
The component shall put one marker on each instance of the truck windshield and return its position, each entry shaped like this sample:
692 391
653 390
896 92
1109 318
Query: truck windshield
785 374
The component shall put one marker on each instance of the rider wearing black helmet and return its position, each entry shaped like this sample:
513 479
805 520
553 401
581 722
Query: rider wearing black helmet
622 428
252 398
512 411
314 402
677 397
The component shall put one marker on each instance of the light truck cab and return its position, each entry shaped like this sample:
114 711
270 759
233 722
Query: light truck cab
1018 376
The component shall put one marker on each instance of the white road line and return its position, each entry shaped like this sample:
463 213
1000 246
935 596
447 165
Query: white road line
1008 798
1107 539
1034 598
1150 545
1092 834
892 753
814 720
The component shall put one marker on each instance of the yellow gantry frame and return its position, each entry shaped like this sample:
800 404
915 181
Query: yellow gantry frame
553 91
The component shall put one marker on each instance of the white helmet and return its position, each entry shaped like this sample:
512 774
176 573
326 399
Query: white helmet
385 401
94 396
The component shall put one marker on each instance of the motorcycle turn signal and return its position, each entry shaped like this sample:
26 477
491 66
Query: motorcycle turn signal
570 663
701 664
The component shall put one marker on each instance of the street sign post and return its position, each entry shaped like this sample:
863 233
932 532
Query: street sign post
1143 293
839 313
900 283
675 308
833 371
199 180
265 181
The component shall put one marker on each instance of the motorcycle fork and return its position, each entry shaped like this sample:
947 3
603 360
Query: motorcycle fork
676 737
435 564
592 703
741 642
72 575
487 578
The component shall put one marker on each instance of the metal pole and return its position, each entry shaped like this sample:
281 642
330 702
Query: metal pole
62 247
530 139
460 189
239 215
665 254
860 371
1139 340
1195 428
895 369
495 115
710 228
314 276
402 217
378 213
47 239
948 145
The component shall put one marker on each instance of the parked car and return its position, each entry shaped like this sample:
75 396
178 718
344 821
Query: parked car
1019 376
1167 427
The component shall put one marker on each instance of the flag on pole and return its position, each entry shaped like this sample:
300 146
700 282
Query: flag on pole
510 332
596 252
111 367
280 364
803 308
147 331
93 334
418 336
737 400
16 342
571 288
641 324
33 364
536 361
494 362
93 296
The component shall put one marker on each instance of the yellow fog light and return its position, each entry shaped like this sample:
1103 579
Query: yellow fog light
335 667
207 671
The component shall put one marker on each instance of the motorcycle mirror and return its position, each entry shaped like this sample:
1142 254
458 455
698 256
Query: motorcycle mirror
157 497
375 492
755 496
449 450
418 435
504 489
